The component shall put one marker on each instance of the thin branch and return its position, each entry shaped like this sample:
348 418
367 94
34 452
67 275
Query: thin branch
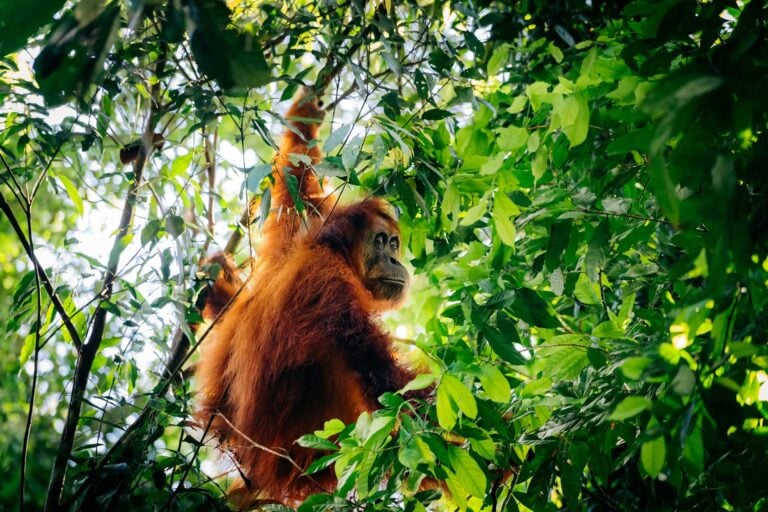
188 466
210 167
46 281
258 446
623 215
33 387
245 222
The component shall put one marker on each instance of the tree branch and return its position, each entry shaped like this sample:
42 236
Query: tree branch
46 281
33 385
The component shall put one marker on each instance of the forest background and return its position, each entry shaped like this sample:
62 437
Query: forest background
582 192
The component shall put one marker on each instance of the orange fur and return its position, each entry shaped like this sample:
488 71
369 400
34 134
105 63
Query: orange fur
299 143
301 343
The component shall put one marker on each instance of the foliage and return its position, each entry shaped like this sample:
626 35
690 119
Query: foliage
583 202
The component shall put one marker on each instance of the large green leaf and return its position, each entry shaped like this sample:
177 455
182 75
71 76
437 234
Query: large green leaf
21 20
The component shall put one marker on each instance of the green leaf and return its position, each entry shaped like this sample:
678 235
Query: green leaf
447 410
335 139
460 395
322 463
256 175
316 502
415 452
474 44
693 450
629 407
557 282
501 343
316 442
505 228
232 58
475 213
75 50
597 251
607 329
467 472
330 428
559 236
174 225
27 348
421 381
684 381
532 309
72 192
266 204
518 104
539 163
495 385
586 291
652 455
21 20
538 94
499 59
110 306
351 152
292 184
574 118
555 52
436 114
150 231
665 190
180 165
633 367
511 138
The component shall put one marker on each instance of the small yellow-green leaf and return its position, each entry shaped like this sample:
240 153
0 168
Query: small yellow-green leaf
512 138
447 410
629 407
27 348
498 59
421 381
539 163
504 228
330 428
181 164
607 329
537 93
518 104
461 395
495 385
475 213
573 113
72 193
652 455
467 471
555 52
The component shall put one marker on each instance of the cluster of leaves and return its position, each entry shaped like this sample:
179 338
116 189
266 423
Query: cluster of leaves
581 196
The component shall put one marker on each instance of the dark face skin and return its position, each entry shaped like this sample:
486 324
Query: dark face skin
383 274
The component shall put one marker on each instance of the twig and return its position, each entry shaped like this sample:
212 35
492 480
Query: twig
175 491
209 151
46 281
33 387
284 456
624 215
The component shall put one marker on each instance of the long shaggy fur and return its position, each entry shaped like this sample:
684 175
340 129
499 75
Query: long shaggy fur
301 344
